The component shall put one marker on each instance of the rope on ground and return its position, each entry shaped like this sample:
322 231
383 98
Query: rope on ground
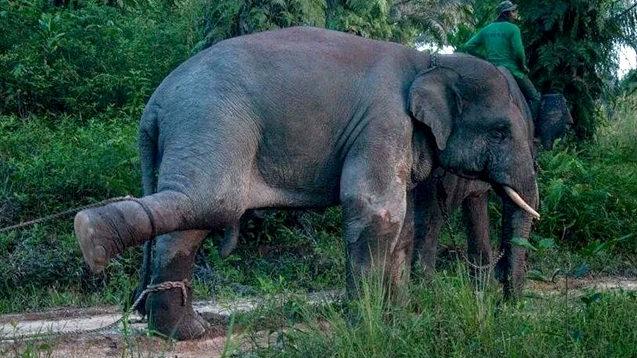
64 213
164 286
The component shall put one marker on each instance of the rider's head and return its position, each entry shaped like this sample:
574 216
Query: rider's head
507 11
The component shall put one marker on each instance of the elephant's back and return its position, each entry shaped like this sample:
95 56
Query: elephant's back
286 96
277 65
308 45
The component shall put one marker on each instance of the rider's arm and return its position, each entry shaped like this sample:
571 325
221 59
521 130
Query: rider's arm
472 46
518 49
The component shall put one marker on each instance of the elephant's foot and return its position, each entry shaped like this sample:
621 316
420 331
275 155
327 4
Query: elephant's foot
96 240
105 232
188 327
170 317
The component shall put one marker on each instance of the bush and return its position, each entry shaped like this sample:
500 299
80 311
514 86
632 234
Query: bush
46 169
589 194
85 60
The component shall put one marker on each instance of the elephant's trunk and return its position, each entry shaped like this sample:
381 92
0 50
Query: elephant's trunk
517 219
106 231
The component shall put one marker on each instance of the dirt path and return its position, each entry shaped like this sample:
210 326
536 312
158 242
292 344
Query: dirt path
134 341
65 332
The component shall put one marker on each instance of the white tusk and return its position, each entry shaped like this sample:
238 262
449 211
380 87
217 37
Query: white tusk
520 202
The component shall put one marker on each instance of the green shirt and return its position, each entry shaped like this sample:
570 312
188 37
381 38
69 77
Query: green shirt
501 44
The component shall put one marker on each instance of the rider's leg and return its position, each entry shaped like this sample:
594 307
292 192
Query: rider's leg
531 94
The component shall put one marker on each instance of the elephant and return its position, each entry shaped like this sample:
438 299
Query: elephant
307 118
444 192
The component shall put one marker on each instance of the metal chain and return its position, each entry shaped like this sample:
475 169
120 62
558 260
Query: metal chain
65 213
164 286
488 266
445 216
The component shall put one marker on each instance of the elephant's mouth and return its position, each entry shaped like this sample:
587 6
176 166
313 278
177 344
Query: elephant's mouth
505 190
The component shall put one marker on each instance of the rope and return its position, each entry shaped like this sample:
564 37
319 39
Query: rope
164 286
149 213
65 213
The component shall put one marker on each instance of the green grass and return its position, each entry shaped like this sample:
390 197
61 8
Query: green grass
447 317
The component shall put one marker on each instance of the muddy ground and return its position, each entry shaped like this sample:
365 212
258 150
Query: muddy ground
66 332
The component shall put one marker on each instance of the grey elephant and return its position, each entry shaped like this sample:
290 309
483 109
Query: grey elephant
301 118
439 196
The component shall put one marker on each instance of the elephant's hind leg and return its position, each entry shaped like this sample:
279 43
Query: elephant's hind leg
106 231
170 312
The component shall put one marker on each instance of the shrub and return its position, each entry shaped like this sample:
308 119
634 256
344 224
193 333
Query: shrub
589 194
48 168
85 60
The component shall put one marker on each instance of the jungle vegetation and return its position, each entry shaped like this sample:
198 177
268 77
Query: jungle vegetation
75 75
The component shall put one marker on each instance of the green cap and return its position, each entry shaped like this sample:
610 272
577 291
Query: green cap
506 6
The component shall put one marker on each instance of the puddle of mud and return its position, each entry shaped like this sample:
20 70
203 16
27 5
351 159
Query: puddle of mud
115 344
211 345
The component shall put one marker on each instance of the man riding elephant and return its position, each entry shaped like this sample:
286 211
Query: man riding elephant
501 44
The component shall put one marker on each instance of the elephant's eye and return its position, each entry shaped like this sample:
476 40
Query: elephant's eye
500 132
499 135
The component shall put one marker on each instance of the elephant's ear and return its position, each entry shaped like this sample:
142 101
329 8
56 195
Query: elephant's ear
435 101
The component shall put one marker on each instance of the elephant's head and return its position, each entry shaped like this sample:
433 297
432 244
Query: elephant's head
479 130
554 119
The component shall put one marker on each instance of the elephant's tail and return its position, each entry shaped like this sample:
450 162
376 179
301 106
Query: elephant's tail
148 133
149 158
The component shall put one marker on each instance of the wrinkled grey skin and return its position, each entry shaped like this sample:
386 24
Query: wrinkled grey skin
439 196
304 118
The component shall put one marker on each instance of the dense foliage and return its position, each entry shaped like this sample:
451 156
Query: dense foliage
573 49
90 58
399 21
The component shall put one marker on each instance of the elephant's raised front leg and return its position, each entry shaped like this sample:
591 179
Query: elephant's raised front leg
170 312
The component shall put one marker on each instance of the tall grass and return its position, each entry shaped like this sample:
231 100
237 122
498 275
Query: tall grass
448 317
